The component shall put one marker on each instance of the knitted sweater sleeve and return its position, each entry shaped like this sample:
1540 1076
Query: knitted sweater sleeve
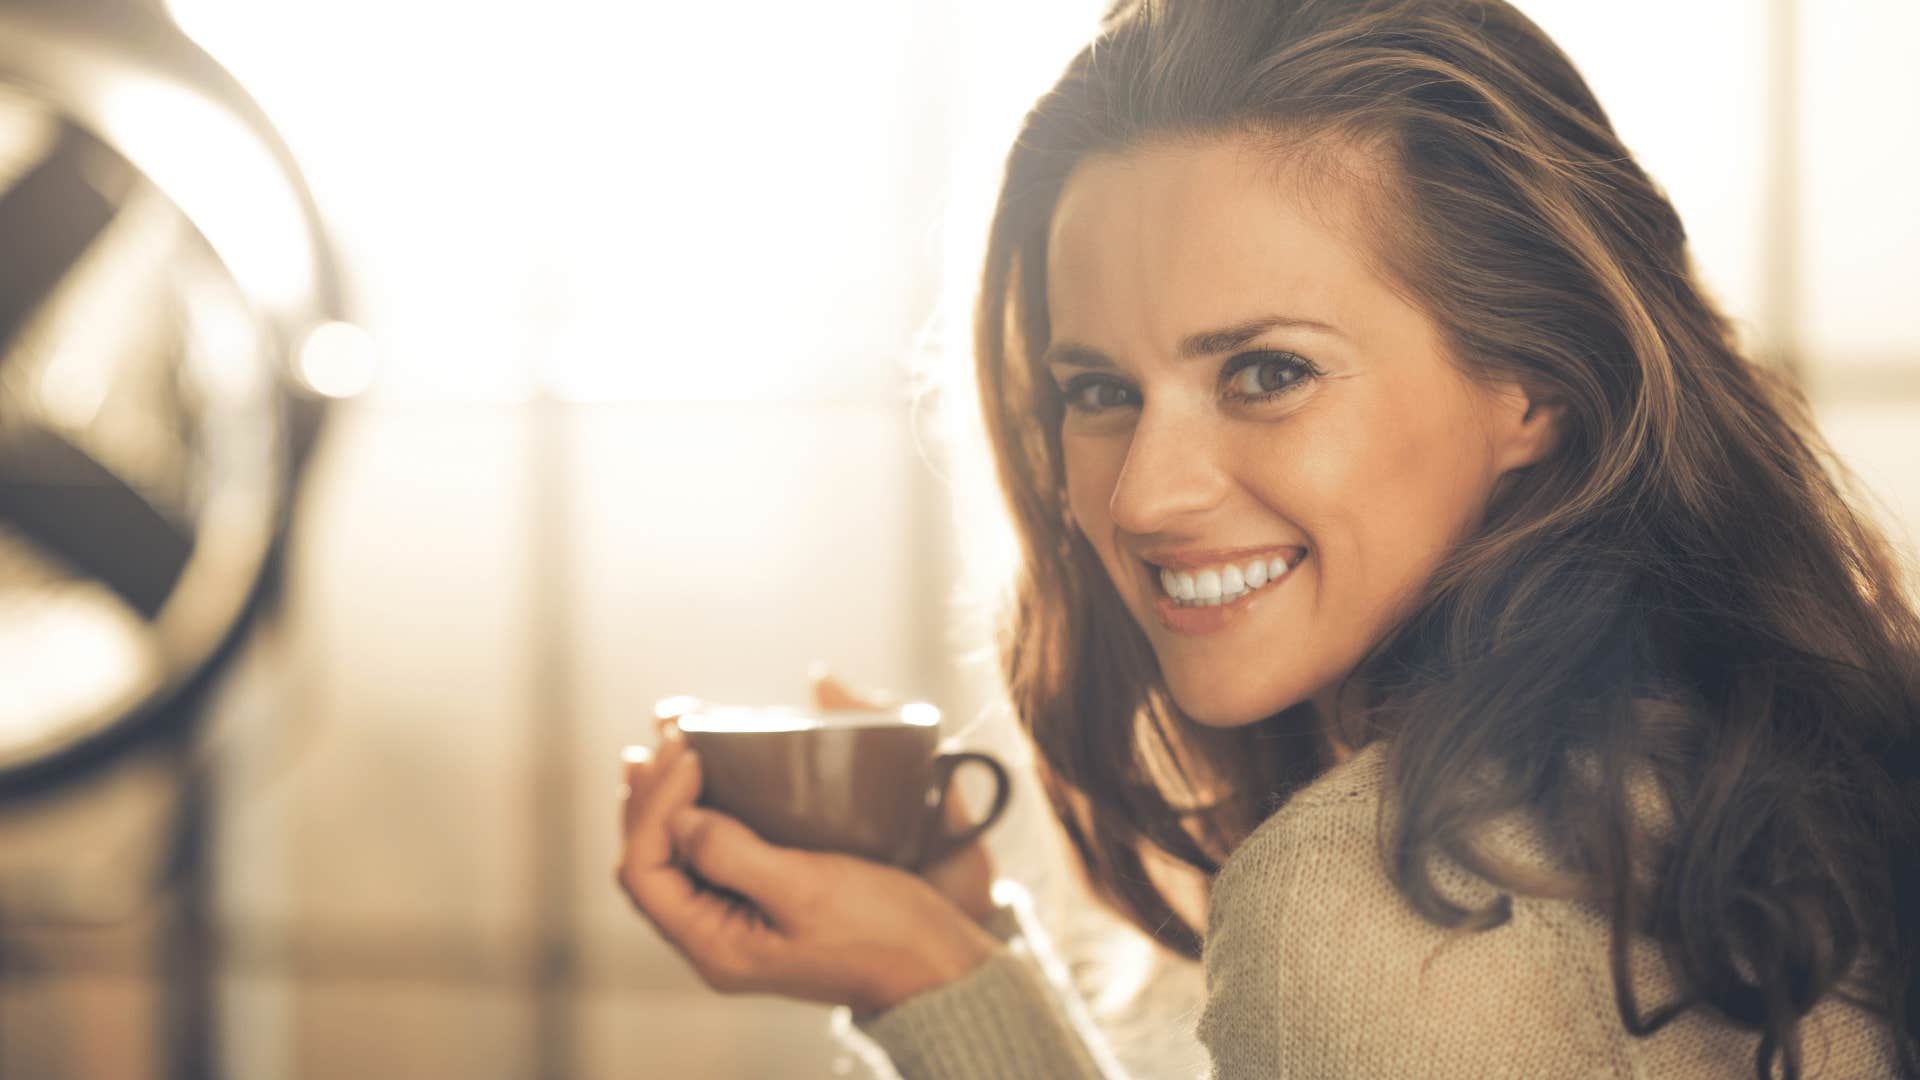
1013 1016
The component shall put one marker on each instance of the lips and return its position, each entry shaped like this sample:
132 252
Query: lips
1196 558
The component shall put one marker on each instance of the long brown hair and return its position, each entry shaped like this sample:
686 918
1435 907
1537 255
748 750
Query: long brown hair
1682 587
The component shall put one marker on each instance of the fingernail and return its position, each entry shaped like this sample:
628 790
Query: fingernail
635 755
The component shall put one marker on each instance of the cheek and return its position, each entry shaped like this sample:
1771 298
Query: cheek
1092 467
1388 490
1440 470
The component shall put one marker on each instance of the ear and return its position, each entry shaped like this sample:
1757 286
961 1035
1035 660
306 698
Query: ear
1526 427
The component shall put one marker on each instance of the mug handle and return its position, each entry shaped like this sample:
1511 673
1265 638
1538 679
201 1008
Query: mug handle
940 843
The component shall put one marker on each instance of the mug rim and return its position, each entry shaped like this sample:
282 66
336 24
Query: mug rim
710 719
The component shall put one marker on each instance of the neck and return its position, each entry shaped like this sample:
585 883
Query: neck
1327 706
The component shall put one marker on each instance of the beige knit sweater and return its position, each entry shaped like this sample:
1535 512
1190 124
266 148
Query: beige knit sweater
1316 967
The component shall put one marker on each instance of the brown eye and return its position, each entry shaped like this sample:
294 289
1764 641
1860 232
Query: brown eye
1096 394
1265 374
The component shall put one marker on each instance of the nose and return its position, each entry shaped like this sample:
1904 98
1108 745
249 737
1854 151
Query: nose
1171 477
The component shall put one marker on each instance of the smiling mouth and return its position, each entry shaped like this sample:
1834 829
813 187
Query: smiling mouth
1225 583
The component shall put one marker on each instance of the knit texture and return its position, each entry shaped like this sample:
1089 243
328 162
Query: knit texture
1317 967
1002 1019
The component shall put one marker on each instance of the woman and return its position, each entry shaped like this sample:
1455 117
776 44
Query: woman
1409 550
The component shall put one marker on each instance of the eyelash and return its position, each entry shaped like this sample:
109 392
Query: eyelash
1074 390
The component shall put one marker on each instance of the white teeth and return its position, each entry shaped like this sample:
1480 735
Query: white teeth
1222 584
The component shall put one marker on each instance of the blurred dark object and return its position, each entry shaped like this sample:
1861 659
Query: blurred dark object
152 430
163 265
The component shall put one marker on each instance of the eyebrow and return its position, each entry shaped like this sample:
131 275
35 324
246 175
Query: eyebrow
1193 346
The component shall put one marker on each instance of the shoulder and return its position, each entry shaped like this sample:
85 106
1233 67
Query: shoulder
1310 942
1317 965
1357 780
1325 828
1318 857
1322 835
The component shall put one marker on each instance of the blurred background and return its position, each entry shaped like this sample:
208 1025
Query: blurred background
393 410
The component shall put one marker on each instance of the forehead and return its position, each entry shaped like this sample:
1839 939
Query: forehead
1170 236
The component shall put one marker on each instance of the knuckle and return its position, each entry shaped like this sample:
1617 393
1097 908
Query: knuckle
703 847
696 844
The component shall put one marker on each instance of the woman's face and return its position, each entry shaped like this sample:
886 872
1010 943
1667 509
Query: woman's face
1263 441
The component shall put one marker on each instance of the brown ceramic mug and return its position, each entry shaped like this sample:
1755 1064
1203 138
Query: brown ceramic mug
867 782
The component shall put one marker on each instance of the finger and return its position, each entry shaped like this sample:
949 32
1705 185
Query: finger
641 767
715 934
729 854
660 890
663 755
668 710
831 693
667 728
676 784
724 940
729 944
635 764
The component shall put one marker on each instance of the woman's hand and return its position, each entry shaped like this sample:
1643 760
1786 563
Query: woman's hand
752 917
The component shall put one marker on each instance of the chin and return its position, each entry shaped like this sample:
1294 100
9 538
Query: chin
1210 704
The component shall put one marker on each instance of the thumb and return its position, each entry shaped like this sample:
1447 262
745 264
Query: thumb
724 852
